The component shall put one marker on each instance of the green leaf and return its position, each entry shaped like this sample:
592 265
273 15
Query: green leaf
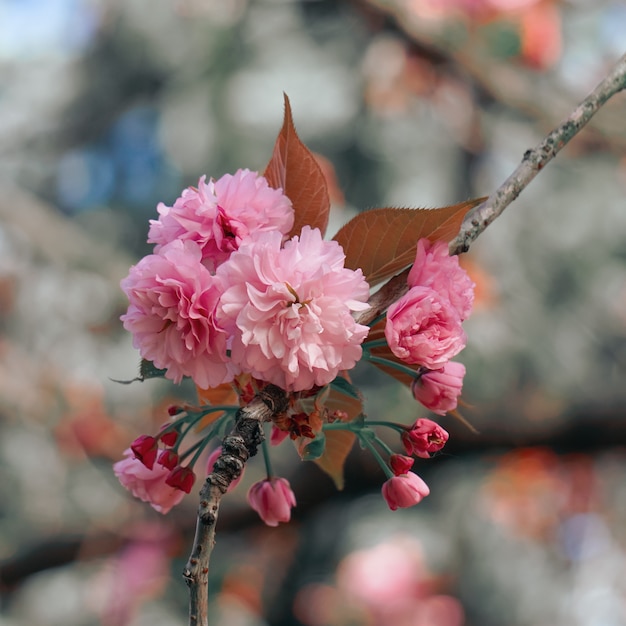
294 169
382 242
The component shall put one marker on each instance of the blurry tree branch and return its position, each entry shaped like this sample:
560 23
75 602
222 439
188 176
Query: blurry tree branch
523 90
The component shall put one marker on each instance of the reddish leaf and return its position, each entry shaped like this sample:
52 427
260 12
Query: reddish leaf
340 395
294 169
382 242
338 446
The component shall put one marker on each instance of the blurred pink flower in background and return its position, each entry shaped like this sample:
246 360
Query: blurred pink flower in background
438 390
171 315
289 310
147 484
423 328
273 500
219 215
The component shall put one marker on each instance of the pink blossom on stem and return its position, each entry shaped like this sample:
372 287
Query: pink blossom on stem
181 477
289 309
424 438
145 450
273 500
219 215
171 315
404 491
423 328
169 438
435 268
147 484
211 462
400 464
438 390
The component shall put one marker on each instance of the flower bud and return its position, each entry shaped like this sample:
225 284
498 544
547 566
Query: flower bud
423 438
168 458
169 438
273 500
404 491
181 477
145 449
438 390
400 464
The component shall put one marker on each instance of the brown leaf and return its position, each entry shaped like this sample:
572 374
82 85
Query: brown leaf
341 395
294 169
338 446
382 242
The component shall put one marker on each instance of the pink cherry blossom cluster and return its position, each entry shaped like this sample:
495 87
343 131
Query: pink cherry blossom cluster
225 293
424 327
229 295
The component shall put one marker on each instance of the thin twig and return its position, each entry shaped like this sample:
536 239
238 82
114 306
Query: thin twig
237 448
532 163
536 159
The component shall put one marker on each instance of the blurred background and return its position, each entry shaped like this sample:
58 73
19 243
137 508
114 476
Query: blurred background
108 107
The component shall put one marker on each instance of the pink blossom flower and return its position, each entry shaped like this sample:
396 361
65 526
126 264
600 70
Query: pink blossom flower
424 438
273 500
168 458
211 462
147 484
171 315
423 328
289 310
435 268
405 490
438 390
219 215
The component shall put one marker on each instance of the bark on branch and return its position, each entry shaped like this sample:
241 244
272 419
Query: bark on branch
237 448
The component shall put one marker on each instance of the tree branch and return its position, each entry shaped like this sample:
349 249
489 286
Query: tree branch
237 448
532 163
536 159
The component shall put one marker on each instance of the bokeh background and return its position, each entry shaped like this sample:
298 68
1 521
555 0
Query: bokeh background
108 107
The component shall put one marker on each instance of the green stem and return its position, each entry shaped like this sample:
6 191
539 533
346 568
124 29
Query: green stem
398 366
368 444
377 319
399 427
374 343
266 458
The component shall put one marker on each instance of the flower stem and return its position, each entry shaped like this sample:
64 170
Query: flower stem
266 458
370 446
374 343
398 366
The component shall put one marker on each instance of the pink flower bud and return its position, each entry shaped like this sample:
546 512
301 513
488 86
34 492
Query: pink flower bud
173 410
273 500
147 484
145 449
169 438
168 458
400 464
181 477
211 462
423 438
404 491
438 390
